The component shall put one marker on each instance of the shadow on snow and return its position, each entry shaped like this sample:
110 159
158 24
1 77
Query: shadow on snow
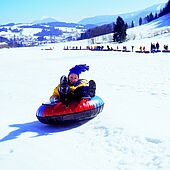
39 128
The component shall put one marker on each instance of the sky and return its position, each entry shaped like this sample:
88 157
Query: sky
67 10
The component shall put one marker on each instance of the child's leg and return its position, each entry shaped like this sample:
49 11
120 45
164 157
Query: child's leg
92 88
81 92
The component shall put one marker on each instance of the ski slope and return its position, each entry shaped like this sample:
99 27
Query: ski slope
131 133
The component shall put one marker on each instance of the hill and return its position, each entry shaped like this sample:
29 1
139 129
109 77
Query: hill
157 27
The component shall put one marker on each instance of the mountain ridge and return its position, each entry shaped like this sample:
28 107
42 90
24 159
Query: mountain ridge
104 19
128 17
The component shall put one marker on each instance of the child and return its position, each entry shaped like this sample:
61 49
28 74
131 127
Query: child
72 87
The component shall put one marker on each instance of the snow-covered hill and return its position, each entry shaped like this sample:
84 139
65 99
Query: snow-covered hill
158 27
32 34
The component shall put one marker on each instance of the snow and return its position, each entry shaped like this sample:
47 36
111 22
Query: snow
31 31
131 133
25 32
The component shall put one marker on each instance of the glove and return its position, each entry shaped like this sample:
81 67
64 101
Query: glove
64 89
54 99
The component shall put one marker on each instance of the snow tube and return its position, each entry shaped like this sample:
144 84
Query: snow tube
55 113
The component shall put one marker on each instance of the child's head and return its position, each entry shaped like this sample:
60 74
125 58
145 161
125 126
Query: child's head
73 75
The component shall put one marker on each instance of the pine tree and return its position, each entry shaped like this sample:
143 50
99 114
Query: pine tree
151 17
120 30
132 24
156 16
140 21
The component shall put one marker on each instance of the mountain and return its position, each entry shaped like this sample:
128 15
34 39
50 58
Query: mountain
44 20
53 22
128 17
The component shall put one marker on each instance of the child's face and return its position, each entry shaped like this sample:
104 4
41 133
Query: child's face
73 78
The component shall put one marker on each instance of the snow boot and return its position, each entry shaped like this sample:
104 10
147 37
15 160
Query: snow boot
64 87
92 88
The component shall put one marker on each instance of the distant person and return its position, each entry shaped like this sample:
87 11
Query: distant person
166 47
140 48
153 47
125 48
157 46
132 47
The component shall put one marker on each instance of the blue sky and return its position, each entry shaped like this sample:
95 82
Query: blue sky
67 10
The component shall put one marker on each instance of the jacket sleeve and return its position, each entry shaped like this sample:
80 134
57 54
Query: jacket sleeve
56 93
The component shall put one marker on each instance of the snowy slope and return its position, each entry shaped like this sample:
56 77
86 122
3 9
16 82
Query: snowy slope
132 132
157 27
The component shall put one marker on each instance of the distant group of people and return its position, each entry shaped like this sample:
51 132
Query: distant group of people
142 49
155 47
72 48
51 48
96 47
